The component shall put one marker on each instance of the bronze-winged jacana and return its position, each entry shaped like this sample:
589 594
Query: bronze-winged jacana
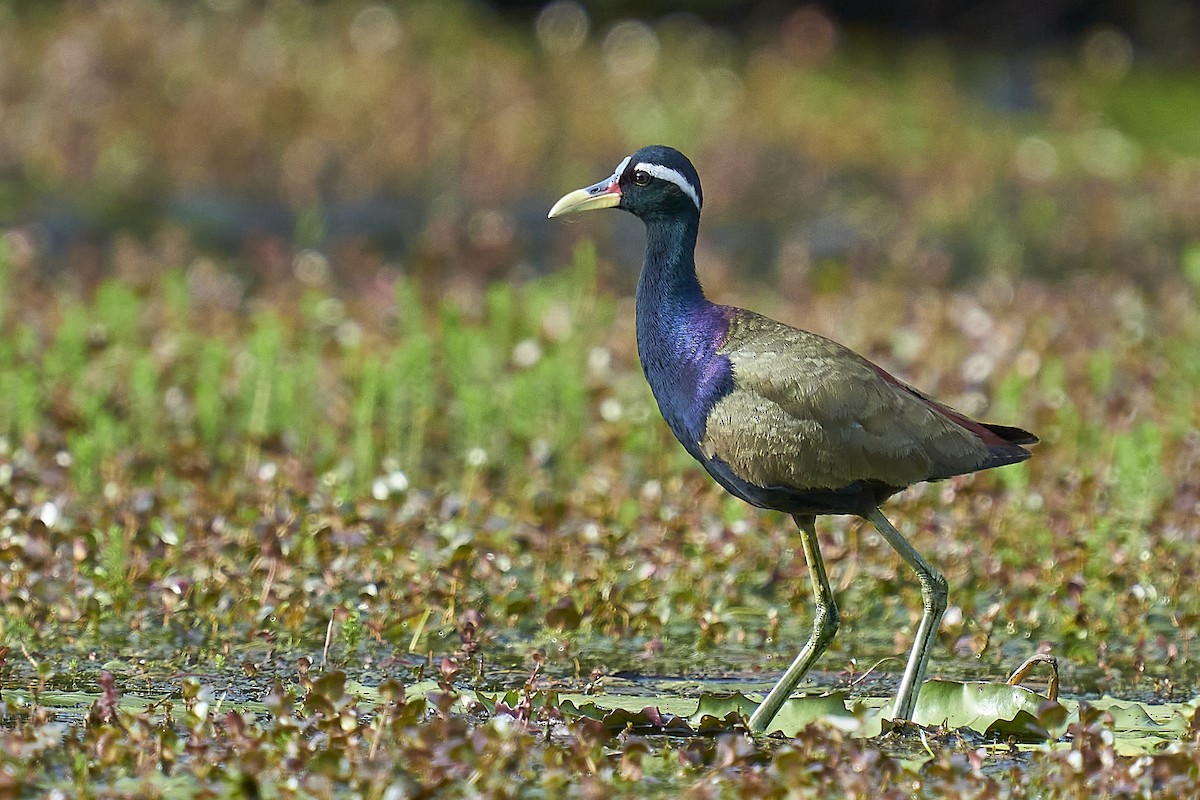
783 418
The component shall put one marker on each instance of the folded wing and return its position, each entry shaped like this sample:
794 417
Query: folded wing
808 413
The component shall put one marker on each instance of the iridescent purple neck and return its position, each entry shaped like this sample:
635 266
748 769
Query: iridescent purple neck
679 329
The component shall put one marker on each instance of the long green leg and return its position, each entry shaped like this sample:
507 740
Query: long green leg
934 594
825 625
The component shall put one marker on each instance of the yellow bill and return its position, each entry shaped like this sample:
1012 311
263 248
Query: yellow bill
605 194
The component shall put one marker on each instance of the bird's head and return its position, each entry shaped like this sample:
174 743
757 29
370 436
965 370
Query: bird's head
656 181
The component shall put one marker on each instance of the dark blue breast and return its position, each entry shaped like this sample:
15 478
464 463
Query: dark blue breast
677 344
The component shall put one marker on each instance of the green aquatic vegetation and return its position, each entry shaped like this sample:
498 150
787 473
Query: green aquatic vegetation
328 734
287 519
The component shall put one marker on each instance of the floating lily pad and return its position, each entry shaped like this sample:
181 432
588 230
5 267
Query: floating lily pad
993 709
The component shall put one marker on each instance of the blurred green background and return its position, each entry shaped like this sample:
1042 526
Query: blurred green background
927 142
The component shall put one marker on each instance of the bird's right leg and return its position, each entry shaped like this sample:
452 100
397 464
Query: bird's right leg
934 594
825 625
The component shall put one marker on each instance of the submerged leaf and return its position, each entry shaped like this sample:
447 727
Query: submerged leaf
1130 716
647 720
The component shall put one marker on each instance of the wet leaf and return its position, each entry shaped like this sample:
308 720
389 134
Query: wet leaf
993 709
1130 717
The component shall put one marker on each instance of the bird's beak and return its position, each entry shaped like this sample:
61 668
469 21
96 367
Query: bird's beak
605 194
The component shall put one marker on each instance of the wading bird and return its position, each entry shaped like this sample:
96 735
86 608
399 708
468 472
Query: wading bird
783 418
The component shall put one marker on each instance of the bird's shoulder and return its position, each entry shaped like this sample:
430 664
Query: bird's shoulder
769 355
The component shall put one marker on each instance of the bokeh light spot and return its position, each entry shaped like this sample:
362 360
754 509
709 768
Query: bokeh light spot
375 30
562 27
630 48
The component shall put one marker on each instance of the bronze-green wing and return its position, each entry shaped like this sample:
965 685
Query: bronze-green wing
808 413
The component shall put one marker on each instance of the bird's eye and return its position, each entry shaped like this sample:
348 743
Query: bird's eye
641 177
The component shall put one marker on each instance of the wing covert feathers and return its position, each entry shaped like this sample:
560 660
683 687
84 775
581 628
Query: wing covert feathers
809 413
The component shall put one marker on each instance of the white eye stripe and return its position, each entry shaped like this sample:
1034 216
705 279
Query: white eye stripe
668 174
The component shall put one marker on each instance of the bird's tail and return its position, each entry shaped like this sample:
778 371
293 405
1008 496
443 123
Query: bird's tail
1003 441
1011 434
1004 444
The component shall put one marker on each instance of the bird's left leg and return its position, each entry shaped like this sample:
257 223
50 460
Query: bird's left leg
825 625
934 594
